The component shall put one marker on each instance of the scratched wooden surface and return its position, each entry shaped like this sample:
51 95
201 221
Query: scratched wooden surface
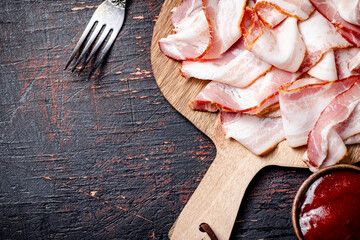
107 158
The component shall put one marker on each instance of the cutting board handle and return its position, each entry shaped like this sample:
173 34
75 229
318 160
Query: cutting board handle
217 199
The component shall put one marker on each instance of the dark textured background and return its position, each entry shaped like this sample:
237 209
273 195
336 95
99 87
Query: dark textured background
106 158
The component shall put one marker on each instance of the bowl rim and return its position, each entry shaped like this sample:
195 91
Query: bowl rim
306 184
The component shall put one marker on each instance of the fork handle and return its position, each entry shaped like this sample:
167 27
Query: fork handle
120 3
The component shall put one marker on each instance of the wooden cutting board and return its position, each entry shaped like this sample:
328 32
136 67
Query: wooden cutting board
217 199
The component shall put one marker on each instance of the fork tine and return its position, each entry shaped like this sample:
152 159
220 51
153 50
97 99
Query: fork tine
103 36
88 44
80 42
103 53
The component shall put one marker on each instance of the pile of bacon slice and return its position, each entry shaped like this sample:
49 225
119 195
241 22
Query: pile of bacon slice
279 69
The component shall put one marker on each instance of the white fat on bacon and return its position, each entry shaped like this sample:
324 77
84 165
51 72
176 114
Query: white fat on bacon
349 129
273 114
253 56
203 29
237 67
346 58
257 98
275 11
353 139
259 135
349 31
225 18
188 8
325 145
354 63
302 102
281 46
218 96
325 69
336 151
270 15
349 10
191 39
319 36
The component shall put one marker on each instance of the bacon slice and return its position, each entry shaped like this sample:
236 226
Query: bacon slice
273 114
323 140
350 128
217 96
319 36
302 102
274 11
251 26
257 98
237 67
353 140
349 10
259 135
349 31
281 46
354 63
204 29
336 151
325 69
192 38
270 15
346 58
225 18
187 9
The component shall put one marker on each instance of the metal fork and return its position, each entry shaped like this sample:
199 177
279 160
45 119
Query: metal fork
109 16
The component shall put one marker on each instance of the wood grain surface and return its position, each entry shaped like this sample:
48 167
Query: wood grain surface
108 158
218 197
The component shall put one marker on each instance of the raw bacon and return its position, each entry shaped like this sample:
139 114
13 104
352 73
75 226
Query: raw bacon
270 15
346 62
319 151
336 151
281 46
257 98
349 31
217 96
353 140
301 103
253 55
354 63
186 10
325 69
350 128
273 114
319 36
225 18
237 67
259 135
192 38
349 10
274 11
203 29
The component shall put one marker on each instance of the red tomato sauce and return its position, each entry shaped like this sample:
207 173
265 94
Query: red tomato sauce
330 208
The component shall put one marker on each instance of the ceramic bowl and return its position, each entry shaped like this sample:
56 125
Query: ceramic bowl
304 187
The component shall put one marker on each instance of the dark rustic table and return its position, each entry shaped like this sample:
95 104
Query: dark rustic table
106 158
